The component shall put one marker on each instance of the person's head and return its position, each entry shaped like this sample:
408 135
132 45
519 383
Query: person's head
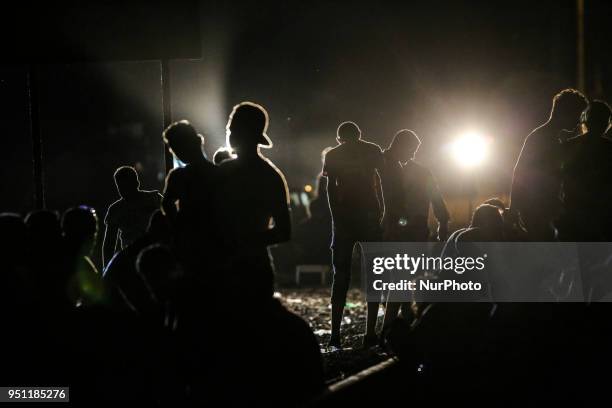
43 225
348 132
496 202
222 154
126 180
80 228
159 270
597 117
566 108
404 145
487 218
246 128
183 140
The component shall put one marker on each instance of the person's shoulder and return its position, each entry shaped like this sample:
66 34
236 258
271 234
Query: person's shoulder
152 195
371 146
177 172
273 170
116 204
333 151
114 207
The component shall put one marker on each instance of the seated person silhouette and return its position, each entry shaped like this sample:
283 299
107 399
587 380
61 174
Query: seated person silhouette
354 192
188 201
80 230
256 201
128 217
120 272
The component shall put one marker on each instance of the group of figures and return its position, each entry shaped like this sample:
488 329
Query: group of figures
183 309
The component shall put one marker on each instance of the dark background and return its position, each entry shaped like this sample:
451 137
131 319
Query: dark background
437 67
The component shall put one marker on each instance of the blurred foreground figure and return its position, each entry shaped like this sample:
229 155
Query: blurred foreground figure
80 231
188 197
410 191
355 197
128 217
536 184
255 202
587 179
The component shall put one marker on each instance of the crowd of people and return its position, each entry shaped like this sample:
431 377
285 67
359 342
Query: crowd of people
183 309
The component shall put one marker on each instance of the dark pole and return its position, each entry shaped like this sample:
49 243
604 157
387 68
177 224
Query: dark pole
167 106
36 135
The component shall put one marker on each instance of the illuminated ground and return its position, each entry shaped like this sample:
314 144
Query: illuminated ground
313 306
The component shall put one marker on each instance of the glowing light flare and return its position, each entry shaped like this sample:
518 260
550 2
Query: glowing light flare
308 188
470 149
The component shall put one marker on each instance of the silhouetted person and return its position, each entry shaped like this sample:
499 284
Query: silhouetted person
255 200
587 182
410 191
80 230
536 184
128 217
222 154
14 255
160 272
188 201
45 250
357 206
513 230
121 270
486 225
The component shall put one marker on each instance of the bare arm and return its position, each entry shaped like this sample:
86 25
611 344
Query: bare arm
380 195
331 195
109 244
280 231
168 202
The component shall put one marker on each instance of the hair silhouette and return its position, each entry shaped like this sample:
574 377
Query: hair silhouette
348 131
247 126
183 140
126 179
596 117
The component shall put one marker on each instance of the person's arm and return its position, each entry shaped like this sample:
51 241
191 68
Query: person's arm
379 195
170 196
280 231
379 179
439 208
109 244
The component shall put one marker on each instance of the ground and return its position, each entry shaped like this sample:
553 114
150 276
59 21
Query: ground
313 306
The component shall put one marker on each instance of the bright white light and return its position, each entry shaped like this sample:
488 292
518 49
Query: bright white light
470 150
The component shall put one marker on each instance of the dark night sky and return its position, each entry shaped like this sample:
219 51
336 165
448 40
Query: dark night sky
437 67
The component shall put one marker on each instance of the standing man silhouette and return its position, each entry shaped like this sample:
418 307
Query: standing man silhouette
587 185
127 218
536 183
410 191
355 196
188 198
255 202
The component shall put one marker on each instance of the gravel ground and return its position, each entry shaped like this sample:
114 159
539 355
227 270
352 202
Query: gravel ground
313 306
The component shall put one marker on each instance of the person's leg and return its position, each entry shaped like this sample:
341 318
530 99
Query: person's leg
341 260
372 234
391 312
370 338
